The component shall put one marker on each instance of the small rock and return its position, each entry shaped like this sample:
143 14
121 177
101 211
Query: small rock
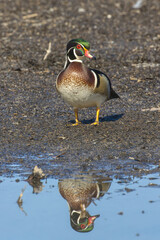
120 213
109 16
129 190
81 10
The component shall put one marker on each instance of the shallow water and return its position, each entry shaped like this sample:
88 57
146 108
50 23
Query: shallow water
127 209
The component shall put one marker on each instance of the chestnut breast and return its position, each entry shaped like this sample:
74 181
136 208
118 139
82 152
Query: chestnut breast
77 192
76 74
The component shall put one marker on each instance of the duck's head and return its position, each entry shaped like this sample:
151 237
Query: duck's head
82 224
77 49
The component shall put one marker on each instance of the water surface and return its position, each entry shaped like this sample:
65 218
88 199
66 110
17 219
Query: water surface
125 209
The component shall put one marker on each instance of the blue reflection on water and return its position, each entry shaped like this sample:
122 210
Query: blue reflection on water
129 210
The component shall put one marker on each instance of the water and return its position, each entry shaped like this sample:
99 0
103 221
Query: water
127 209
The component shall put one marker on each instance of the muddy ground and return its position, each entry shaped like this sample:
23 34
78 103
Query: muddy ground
34 119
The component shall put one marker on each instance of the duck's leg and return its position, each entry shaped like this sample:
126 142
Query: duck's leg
82 206
76 117
97 117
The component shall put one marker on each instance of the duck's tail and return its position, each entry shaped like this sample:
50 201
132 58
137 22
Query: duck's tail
113 94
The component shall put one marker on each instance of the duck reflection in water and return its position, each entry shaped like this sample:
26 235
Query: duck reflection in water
79 193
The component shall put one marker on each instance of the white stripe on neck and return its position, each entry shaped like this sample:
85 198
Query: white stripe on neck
68 59
75 60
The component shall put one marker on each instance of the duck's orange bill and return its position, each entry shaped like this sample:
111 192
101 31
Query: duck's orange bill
87 54
91 219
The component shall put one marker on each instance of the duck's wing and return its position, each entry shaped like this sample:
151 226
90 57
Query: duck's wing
103 85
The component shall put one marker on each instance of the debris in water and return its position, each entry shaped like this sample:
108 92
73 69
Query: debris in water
34 179
120 213
20 200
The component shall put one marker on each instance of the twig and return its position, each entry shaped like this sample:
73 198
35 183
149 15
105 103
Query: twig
138 4
19 201
33 15
48 51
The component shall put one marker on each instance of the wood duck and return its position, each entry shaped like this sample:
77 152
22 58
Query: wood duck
81 86
79 193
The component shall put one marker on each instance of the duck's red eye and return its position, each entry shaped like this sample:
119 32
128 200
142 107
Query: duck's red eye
82 226
78 46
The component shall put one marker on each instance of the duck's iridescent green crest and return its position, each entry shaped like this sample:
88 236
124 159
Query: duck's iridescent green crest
80 41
